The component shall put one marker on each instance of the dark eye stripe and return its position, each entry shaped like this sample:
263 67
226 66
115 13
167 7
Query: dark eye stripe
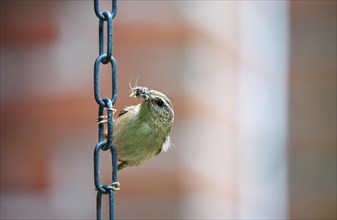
169 103
162 96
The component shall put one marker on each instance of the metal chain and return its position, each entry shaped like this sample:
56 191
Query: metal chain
105 104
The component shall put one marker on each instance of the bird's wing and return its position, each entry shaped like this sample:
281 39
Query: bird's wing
125 110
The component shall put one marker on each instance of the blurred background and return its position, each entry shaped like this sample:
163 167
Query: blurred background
253 84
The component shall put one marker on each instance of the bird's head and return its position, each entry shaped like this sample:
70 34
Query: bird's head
158 104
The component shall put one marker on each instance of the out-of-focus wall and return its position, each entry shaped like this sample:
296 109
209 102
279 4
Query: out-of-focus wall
312 111
236 73
263 110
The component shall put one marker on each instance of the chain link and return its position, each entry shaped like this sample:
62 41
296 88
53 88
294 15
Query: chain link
113 63
105 104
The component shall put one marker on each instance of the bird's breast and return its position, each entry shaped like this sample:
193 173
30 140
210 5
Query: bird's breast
136 141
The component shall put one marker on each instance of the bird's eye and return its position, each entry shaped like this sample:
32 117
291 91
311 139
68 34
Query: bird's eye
159 103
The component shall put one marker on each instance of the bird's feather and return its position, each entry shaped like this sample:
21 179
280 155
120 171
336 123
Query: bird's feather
124 110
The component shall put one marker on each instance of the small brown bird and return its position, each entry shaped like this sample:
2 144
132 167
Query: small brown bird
141 132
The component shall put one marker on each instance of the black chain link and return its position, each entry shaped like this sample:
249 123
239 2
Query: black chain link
105 104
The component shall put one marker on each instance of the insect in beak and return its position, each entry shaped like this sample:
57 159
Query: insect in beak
140 93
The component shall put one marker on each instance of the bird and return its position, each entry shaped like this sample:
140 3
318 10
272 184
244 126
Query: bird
141 132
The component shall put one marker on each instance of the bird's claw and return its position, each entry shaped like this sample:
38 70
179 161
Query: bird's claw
103 119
